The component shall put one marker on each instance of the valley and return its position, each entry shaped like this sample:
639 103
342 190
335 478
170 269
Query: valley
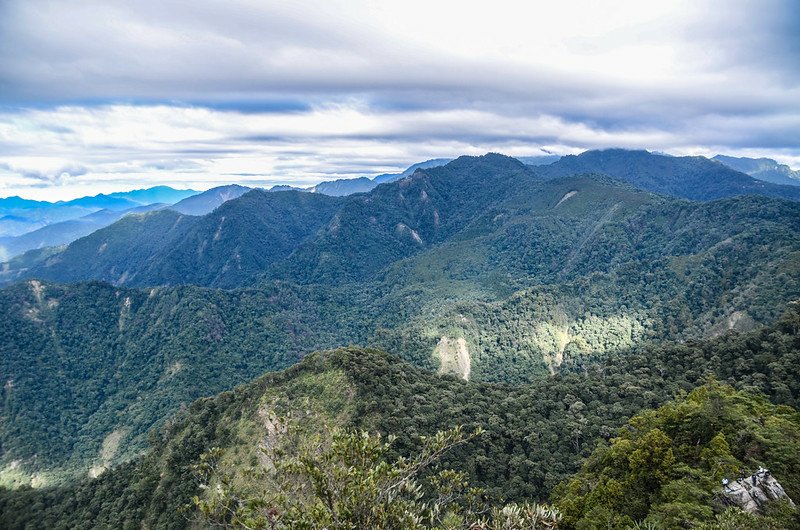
583 286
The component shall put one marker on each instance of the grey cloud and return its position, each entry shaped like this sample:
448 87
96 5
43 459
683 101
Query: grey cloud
49 177
741 89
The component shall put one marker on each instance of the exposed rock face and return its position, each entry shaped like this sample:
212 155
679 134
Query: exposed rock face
753 493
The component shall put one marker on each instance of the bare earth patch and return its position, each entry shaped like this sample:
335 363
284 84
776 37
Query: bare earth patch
565 197
454 357
107 452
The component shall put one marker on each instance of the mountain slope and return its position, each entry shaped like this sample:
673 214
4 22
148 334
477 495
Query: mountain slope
666 466
238 241
66 232
226 248
123 360
619 293
209 200
529 284
695 178
764 169
538 435
492 209
531 278
112 253
507 289
401 218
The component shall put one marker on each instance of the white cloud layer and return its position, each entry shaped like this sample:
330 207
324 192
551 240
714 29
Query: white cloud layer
101 96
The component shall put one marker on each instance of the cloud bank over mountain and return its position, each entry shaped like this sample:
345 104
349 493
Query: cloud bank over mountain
96 96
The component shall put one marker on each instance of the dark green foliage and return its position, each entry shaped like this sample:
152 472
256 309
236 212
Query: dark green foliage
538 434
81 362
240 239
709 267
666 465
574 276
229 247
402 218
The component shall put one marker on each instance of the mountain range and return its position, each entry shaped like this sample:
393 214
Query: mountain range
39 224
550 304
27 224
691 177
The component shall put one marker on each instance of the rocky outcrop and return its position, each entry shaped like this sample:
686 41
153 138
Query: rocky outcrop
753 493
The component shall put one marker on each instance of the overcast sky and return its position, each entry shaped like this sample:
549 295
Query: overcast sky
99 96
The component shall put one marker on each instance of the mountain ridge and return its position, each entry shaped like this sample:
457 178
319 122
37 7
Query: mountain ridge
696 178
765 169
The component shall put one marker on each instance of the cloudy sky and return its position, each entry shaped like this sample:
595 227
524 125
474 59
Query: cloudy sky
99 96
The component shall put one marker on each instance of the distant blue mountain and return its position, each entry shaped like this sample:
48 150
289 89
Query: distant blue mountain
342 187
28 215
765 169
155 195
209 200
66 232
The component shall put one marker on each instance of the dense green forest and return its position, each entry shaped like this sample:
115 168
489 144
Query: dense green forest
554 308
530 222
666 466
537 435
90 365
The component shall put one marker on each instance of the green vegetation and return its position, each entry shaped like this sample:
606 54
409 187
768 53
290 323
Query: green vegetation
548 305
665 467
90 361
538 435
85 362
226 248
343 480
489 241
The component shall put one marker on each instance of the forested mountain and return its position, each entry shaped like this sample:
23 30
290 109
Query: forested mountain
66 232
691 177
521 227
530 287
228 247
763 169
525 285
399 219
537 435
